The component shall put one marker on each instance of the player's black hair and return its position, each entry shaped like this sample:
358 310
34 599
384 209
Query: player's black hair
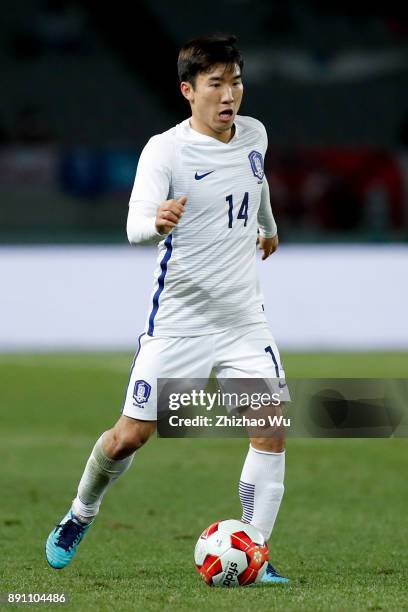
201 54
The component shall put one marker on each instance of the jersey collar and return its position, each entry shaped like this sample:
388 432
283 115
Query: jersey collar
205 138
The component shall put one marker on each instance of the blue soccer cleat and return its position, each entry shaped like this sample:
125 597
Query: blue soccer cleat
271 576
63 541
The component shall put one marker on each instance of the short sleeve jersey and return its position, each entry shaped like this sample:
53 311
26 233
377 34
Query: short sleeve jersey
205 277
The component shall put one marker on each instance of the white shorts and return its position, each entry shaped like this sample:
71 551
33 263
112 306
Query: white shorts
248 351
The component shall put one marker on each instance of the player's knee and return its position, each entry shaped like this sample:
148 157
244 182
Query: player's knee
127 443
268 445
126 438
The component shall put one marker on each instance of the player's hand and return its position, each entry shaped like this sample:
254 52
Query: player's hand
169 214
268 245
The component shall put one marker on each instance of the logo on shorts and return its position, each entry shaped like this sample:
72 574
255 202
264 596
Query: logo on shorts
141 391
257 165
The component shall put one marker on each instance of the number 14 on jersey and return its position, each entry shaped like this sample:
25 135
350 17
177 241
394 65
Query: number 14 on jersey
243 211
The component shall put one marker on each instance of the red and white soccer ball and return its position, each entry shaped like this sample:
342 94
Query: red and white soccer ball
231 553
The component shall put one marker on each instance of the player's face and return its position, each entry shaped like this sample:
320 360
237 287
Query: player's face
215 100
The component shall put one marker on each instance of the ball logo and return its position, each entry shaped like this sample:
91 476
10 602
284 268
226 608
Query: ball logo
257 165
230 574
257 556
141 391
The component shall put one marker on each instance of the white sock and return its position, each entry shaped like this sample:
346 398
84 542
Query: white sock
100 472
261 489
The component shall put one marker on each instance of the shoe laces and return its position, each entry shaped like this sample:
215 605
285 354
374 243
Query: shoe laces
69 535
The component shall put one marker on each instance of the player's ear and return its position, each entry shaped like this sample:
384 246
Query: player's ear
187 90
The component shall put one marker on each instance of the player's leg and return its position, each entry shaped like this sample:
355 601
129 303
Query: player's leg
111 455
252 353
113 452
261 488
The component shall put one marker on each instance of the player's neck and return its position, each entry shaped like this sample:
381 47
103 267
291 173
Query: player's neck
202 128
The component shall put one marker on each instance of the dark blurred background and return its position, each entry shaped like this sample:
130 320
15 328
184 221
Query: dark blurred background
84 86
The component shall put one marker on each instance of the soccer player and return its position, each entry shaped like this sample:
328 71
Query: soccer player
201 194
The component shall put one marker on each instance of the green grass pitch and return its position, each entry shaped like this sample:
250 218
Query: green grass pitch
341 534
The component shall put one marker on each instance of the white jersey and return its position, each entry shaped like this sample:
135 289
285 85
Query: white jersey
205 278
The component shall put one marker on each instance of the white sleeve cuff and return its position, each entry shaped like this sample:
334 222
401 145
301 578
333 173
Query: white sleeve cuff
141 229
269 234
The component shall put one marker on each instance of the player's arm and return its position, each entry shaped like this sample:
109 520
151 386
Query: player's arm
268 232
151 214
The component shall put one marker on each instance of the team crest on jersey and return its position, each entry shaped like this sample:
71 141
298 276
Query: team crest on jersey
141 391
257 165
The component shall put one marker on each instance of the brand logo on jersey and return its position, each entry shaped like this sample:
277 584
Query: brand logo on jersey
141 391
198 177
257 165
